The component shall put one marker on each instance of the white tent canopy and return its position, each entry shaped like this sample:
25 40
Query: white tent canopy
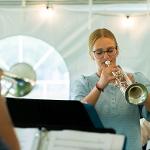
68 29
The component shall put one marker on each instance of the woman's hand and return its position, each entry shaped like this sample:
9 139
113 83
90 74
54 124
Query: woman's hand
131 77
107 76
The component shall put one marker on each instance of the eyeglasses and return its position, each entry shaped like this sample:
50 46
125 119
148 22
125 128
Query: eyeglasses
99 53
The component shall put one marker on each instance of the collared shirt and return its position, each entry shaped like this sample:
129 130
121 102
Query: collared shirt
113 109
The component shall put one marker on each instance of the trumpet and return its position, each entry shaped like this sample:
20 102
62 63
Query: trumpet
19 81
135 93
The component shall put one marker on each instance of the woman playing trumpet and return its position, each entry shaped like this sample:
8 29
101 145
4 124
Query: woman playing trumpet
98 89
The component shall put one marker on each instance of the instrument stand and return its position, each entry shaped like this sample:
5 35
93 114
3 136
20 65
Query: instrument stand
41 140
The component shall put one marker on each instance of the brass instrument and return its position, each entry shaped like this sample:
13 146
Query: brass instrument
19 81
135 93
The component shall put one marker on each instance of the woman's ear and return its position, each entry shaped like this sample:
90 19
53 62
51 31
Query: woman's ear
92 55
117 51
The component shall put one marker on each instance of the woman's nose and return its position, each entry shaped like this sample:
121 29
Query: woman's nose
106 56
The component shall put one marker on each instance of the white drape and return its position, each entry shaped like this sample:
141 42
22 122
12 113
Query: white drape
67 31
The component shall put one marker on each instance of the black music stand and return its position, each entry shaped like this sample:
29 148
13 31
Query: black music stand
54 114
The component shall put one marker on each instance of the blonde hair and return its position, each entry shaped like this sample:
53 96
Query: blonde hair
99 33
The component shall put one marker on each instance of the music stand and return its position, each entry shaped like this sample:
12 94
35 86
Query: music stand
54 115
51 114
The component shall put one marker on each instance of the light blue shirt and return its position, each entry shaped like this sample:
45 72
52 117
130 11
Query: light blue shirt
113 109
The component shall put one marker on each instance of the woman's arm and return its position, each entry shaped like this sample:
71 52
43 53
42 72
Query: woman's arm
106 77
93 96
147 103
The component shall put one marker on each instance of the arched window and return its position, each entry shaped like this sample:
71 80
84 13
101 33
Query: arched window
51 72
52 76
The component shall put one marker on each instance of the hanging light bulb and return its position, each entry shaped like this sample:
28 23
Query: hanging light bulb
50 10
128 22
47 11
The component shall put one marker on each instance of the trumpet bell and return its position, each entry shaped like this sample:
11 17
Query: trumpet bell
20 86
19 81
136 93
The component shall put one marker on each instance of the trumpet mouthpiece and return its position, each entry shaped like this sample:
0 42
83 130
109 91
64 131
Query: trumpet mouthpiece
107 62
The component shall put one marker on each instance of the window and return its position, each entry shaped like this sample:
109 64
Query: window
51 72
52 76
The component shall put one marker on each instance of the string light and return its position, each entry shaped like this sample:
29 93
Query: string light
127 22
47 11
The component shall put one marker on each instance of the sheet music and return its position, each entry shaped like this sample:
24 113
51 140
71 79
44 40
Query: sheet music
27 138
80 140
